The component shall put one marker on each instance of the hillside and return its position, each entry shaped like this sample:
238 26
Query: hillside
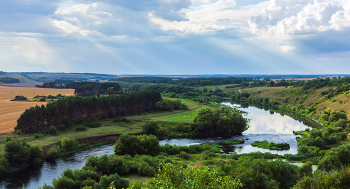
22 78
294 96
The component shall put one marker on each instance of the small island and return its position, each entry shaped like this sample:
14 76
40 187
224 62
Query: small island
235 141
271 146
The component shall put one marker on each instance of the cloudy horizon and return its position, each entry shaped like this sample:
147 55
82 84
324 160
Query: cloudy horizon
176 36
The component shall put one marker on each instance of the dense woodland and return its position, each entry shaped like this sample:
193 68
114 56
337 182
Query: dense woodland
9 80
86 88
75 109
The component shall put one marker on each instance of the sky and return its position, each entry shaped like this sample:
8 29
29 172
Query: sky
171 37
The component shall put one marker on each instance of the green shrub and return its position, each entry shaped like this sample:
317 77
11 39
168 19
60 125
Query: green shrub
121 119
52 130
43 99
93 122
62 127
52 153
80 128
117 181
184 155
151 128
68 143
36 136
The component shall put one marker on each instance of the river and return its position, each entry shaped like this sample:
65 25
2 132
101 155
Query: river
264 125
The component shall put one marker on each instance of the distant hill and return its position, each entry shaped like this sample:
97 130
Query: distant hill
50 77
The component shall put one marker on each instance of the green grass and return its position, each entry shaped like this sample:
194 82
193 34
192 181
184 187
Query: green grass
271 146
235 141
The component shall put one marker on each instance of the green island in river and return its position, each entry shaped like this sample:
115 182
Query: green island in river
271 146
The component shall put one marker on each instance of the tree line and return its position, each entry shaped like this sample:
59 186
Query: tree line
74 109
9 80
85 88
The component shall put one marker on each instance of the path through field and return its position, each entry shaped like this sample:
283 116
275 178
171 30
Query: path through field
11 110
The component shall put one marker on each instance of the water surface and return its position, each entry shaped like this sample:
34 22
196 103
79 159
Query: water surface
263 125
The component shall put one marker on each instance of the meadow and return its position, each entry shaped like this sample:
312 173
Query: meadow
11 110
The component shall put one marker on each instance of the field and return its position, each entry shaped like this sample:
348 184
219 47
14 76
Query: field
11 110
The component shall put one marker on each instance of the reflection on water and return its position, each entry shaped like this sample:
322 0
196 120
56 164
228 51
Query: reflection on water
36 176
263 125
263 121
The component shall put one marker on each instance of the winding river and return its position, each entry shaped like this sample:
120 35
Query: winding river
264 125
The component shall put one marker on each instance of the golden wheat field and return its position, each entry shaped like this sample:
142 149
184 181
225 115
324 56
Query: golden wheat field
11 110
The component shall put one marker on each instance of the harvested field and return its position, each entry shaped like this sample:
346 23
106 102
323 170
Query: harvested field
11 110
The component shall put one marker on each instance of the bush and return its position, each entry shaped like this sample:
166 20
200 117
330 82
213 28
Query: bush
151 128
118 182
133 145
121 119
62 127
52 130
80 128
68 143
43 99
184 155
36 136
52 153
93 122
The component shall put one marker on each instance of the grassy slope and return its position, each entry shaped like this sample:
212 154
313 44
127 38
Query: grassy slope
109 127
22 79
213 87
313 98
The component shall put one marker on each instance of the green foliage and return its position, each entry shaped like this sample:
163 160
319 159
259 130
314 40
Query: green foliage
235 141
20 97
133 145
4 164
92 122
169 105
181 128
326 179
121 119
52 153
151 128
71 110
184 155
221 122
52 130
68 143
18 154
80 128
305 170
117 181
259 173
62 127
191 177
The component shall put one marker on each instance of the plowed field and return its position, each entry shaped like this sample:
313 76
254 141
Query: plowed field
11 110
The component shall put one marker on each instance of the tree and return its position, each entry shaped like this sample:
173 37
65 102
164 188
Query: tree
191 177
151 128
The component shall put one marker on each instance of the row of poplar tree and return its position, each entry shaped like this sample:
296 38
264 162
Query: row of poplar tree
75 109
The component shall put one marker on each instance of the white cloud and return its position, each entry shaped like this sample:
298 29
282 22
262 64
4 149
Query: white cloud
290 17
287 47
210 17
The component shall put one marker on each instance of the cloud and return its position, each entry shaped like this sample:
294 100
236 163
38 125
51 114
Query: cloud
210 17
287 47
290 17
